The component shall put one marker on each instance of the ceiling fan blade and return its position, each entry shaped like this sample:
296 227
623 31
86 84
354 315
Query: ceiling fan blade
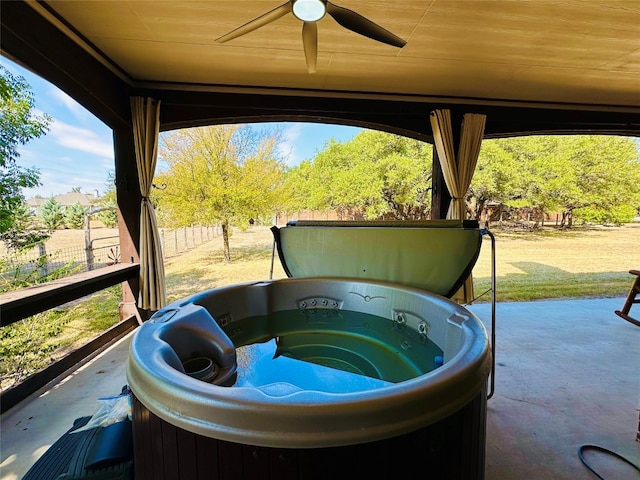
310 43
359 24
257 22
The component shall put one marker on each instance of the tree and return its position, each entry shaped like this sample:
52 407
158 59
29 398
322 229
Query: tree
74 216
594 177
18 125
522 172
26 231
607 177
52 214
492 179
108 212
226 174
375 174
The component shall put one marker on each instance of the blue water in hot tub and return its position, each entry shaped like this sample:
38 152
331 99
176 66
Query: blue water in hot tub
334 351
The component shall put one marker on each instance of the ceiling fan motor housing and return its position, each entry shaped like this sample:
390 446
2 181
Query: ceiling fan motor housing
309 10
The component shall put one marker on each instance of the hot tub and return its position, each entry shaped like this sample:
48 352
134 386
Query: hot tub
310 378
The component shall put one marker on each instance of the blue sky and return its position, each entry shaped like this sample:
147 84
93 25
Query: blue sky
77 151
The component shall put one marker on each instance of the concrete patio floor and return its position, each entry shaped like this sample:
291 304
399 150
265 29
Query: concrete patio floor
567 374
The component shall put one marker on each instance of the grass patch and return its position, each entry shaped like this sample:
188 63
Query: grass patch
551 264
32 344
525 288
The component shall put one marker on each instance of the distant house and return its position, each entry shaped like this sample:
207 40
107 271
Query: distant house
66 200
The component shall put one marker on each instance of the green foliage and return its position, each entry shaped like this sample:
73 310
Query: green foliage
617 215
108 204
26 231
18 125
32 344
26 346
607 177
16 274
595 178
108 216
52 214
74 216
223 174
375 174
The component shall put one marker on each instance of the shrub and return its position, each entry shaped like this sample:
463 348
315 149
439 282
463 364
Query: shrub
52 214
616 215
74 216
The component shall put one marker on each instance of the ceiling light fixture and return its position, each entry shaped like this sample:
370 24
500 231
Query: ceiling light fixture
309 10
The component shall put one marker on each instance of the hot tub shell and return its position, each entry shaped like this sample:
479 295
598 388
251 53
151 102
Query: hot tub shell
439 416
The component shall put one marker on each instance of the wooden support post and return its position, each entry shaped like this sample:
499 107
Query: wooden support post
440 196
129 199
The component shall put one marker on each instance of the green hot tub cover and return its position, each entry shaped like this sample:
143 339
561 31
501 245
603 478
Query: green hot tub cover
434 255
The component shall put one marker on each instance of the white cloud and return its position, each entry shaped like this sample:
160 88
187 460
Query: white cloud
69 103
80 139
37 112
60 182
288 147
108 164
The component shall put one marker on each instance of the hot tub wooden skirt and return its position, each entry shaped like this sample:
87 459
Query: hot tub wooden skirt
452 449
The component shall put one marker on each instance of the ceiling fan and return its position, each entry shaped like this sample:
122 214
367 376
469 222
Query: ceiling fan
309 12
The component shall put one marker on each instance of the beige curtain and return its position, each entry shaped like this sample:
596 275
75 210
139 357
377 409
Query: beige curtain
471 135
146 124
458 172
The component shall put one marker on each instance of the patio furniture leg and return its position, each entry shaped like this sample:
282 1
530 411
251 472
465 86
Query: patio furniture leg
631 299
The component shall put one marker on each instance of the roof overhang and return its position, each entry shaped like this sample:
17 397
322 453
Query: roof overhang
531 67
